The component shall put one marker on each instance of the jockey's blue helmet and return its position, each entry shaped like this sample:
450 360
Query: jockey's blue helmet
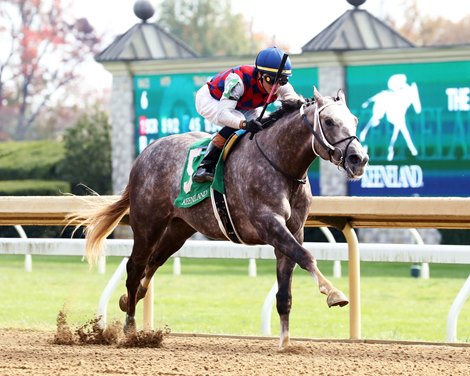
269 60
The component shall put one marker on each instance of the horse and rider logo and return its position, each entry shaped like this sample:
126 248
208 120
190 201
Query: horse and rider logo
393 104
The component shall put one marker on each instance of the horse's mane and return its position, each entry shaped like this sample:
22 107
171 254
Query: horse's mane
287 107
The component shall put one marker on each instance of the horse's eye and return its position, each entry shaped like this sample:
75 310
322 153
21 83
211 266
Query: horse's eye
329 122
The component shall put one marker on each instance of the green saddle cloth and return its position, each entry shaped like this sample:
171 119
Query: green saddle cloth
192 193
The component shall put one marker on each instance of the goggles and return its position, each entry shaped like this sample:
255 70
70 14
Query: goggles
270 79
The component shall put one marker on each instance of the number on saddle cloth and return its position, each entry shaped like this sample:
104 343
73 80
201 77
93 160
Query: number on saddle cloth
192 193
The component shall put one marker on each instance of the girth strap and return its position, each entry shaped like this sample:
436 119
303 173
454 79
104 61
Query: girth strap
222 214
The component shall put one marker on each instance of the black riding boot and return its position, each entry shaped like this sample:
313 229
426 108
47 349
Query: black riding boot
206 170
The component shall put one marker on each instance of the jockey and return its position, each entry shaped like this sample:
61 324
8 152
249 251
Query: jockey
234 99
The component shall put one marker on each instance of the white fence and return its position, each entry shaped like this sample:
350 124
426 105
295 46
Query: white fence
412 253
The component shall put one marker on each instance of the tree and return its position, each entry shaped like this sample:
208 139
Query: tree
88 153
430 31
42 48
209 27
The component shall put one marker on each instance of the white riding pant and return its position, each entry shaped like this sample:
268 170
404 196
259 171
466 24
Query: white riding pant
221 112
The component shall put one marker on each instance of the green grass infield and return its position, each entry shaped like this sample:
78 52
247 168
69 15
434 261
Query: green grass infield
218 297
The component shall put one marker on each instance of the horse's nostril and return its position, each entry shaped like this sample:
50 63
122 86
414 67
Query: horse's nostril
358 160
354 159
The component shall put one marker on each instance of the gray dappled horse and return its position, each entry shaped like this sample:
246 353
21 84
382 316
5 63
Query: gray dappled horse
267 193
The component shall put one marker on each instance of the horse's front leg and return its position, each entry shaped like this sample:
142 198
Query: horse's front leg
284 269
335 297
275 232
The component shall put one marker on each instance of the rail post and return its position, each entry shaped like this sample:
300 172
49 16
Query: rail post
354 283
148 308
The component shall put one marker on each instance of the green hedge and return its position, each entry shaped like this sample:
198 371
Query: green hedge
31 160
33 187
30 168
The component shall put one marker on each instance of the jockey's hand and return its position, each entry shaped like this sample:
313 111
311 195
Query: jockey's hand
253 126
293 104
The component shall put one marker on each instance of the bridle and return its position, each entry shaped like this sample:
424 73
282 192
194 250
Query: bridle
317 131
321 138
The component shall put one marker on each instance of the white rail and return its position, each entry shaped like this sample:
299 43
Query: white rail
432 253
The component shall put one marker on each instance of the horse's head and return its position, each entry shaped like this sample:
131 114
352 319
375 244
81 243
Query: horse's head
334 133
414 97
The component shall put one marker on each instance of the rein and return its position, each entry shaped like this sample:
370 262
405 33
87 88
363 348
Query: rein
321 138
299 181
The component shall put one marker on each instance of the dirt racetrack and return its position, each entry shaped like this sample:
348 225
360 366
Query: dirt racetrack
33 353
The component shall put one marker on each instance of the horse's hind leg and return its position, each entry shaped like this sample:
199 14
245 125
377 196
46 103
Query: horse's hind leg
141 269
135 269
145 239
172 240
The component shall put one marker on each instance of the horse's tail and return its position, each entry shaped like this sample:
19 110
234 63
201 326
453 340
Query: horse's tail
100 222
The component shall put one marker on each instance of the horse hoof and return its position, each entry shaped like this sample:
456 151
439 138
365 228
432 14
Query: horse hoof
129 326
336 298
123 303
284 344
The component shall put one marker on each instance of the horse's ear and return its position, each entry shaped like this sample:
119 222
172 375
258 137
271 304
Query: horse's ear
316 94
341 95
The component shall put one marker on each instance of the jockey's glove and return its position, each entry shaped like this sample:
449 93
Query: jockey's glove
253 126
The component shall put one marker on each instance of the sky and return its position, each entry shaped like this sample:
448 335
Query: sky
292 22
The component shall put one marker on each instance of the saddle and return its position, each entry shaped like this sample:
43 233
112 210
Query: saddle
192 193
